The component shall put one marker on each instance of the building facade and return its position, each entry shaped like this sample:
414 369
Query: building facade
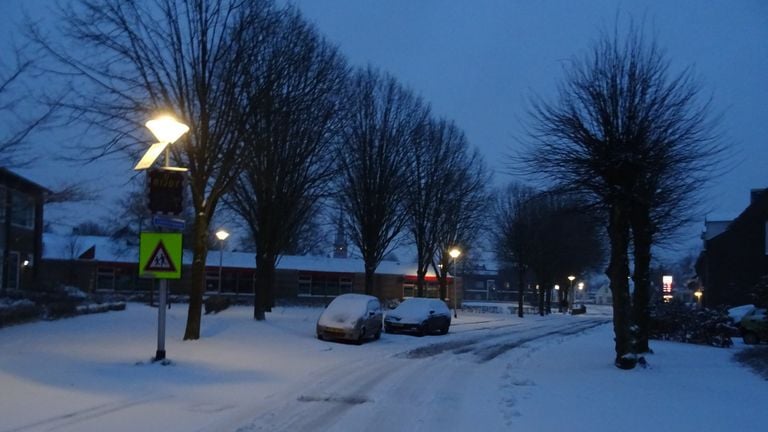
735 257
21 228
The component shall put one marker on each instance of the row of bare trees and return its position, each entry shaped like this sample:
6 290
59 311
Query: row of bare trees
547 235
280 126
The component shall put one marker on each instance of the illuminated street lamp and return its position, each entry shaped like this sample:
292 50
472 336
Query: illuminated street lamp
167 130
454 253
580 286
221 235
570 290
698 295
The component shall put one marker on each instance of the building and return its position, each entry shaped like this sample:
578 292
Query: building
735 254
104 264
21 228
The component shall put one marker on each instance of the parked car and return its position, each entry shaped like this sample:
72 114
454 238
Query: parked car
354 317
420 316
754 326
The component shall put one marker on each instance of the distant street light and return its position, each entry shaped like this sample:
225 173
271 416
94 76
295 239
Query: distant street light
698 295
570 291
454 253
221 235
581 290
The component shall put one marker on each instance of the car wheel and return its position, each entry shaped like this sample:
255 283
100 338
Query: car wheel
361 337
320 337
377 335
444 330
422 329
750 338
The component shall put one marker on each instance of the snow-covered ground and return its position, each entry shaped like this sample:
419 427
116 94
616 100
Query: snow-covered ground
491 373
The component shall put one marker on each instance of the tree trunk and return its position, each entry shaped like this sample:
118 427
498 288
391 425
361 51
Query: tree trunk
370 273
197 279
520 290
618 274
265 281
642 233
420 283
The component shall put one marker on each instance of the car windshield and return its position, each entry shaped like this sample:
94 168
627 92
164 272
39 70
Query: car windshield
344 310
417 307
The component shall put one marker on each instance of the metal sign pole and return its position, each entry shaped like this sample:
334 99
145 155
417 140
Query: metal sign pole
163 293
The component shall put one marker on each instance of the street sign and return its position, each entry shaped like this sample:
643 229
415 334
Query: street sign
162 221
166 191
160 255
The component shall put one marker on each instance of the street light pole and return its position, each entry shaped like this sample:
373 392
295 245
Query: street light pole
221 235
454 253
167 130
570 291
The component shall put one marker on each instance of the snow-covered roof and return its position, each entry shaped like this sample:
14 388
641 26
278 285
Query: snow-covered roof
106 249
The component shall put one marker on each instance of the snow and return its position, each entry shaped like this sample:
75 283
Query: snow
345 310
738 312
414 310
491 372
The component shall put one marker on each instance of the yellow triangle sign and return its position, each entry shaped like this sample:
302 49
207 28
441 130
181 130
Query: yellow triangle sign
160 255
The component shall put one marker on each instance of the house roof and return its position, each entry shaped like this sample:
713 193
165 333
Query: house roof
106 249
12 179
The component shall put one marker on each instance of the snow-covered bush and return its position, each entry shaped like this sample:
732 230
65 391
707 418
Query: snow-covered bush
17 311
679 322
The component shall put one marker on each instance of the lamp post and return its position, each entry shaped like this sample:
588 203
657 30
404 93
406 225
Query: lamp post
454 253
581 290
221 235
559 299
570 291
167 130
698 295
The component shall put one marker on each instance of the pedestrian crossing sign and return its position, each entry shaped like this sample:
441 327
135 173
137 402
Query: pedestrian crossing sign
160 255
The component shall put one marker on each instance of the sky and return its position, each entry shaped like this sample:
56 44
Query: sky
491 372
480 62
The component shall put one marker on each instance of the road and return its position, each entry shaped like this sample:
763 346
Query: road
443 384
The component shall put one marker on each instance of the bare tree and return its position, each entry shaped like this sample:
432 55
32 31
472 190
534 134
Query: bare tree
292 125
466 209
128 60
621 124
17 120
384 124
514 233
437 163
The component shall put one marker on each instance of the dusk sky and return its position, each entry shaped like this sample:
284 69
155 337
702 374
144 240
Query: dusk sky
479 62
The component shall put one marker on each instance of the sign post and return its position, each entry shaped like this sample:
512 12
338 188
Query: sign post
160 258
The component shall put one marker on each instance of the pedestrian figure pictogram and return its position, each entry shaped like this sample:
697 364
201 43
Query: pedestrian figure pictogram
160 260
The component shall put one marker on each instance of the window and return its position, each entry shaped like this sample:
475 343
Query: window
22 210
105 279
305 285
409 290
13 270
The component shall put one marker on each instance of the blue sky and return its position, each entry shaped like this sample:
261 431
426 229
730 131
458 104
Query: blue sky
479 62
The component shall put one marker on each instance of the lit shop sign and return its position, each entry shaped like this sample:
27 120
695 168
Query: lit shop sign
666 288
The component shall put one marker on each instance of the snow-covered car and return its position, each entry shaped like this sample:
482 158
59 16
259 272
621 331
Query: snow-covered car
754 326
354 317
420 316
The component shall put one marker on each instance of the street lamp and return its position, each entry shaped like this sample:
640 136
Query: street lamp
454 253
570 290
698 295
167 130
581 290
221 235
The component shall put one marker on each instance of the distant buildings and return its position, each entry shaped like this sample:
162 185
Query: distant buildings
735 254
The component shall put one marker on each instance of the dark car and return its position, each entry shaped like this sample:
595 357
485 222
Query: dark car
420 316
754 326
353 317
